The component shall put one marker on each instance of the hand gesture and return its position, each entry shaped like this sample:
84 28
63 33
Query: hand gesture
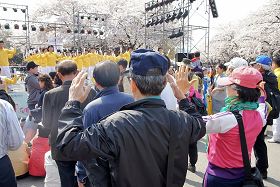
182 79
182 85
78 91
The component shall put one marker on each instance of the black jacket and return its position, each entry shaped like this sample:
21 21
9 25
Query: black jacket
135 141
271 85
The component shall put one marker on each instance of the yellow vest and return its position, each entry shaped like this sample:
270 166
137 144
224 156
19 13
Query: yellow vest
92 59
44 60
52 57
6 54
86 60
277 73
79 61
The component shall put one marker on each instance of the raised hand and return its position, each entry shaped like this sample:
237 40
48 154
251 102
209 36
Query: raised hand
78 91
182 85
182 80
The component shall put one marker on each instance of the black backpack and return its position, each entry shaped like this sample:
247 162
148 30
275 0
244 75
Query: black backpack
198 103
274 101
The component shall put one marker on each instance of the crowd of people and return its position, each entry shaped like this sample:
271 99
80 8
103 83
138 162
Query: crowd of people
134 119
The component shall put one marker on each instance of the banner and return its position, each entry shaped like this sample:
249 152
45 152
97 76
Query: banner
20 98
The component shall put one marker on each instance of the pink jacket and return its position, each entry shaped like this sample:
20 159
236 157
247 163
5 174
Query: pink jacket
224 143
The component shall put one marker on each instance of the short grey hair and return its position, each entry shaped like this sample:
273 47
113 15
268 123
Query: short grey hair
265 67
150 85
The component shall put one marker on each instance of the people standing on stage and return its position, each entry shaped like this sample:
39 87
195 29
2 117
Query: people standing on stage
86 61
52 58
93 61
5 55
44 61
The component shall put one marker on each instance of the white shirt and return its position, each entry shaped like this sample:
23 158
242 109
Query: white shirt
11 135
168 96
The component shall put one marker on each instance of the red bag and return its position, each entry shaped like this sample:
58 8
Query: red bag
36 163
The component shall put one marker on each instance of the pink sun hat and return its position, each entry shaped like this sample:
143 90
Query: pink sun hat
244 76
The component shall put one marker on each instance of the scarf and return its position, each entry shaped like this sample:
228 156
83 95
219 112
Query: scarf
233 104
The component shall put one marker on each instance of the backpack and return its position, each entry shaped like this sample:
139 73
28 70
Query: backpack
274 101
273 95
199 105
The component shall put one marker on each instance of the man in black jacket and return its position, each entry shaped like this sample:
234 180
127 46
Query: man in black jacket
54 101
263 64
144 143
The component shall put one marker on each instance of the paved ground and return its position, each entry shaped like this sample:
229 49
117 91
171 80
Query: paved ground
195 180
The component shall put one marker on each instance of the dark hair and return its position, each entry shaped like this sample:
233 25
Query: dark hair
160 48
1 41
222 66
197 54
52 75
106 74
47 80
276 60
57 81
149 85
122 63
67 67
50 47
190 55
247 94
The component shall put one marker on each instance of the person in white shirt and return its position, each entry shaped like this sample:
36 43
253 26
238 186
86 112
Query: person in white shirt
11 138
167 94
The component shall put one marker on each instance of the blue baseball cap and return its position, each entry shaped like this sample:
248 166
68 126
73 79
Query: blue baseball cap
263 59
146 62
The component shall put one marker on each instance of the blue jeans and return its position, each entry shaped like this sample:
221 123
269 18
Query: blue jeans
214 181
66 171
7 174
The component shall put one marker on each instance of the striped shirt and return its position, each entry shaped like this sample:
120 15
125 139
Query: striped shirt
11 135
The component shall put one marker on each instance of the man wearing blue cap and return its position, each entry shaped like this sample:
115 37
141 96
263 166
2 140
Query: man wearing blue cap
144 143
263 65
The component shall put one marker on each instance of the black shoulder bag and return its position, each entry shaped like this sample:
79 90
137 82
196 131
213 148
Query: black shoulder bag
253 176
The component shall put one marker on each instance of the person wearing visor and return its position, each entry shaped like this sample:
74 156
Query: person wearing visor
235 63
225 163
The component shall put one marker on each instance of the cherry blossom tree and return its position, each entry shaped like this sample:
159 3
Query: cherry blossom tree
254 35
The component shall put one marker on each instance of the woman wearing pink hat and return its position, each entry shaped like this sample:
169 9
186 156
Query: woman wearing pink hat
226 168
243 104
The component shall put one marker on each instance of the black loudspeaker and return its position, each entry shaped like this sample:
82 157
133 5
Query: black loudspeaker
213 7
180 56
